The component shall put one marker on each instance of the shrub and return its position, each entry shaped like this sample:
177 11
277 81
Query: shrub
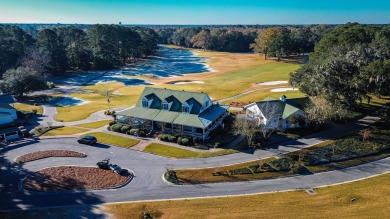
142 133
112 123
217 145
179 140
170 176
125 129
116 127
301 169
133 131
113 112
244 170
172 138
282 164
184 141
109 128
196 140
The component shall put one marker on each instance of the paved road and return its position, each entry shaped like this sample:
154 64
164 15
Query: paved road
148 170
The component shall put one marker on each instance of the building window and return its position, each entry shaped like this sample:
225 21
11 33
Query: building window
164 106
145 104
186 109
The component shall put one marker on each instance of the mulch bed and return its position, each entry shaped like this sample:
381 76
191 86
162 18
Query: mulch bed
50 153
65 178
238 104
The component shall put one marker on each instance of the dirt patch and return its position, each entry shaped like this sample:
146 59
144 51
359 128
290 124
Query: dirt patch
65 178
50 153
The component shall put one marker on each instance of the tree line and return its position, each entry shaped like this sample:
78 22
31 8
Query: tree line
348 65
273 41
55 50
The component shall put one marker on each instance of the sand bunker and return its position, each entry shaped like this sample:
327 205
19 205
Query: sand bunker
272 83
283 89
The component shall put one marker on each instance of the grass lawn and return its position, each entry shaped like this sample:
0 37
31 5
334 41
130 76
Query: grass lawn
262 94
95 125
367 198
64 131
28 107
235 73
170 151
114 140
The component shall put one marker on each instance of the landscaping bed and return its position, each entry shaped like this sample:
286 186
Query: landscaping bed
330 155
40 130
66 178
50 153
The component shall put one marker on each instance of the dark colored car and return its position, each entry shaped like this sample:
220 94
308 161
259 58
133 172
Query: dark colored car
89 139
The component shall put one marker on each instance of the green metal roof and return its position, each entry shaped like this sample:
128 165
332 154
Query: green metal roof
141 113
189 120
284 109
162 94
289 110
175 116
211 114
166 116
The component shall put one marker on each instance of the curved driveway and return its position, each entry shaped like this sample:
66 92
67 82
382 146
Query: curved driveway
148 170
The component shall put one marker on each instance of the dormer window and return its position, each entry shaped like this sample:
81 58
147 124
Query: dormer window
145 103
186 109
164 106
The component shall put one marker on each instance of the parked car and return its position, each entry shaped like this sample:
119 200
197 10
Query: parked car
89 139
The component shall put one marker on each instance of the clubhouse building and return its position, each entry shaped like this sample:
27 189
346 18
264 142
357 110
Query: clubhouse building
173 111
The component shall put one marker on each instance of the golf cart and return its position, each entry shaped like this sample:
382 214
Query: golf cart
105 164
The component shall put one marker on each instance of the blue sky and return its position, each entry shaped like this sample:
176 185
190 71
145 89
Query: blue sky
195 12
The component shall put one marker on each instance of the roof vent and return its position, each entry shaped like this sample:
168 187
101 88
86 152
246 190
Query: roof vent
283 98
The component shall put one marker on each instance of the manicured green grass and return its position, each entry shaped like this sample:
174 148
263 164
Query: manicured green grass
262 94
114 139
229 80
367 198
64 131
28 107
170 151
95 125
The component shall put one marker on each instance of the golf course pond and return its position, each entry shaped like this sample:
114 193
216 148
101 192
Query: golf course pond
168 62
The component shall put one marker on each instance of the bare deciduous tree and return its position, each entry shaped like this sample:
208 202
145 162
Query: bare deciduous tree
267 125
246 127
36 60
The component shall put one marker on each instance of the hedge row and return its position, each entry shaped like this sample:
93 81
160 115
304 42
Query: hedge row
125 129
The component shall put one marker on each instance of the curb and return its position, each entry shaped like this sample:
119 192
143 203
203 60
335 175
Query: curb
249 194
21 189
85 155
